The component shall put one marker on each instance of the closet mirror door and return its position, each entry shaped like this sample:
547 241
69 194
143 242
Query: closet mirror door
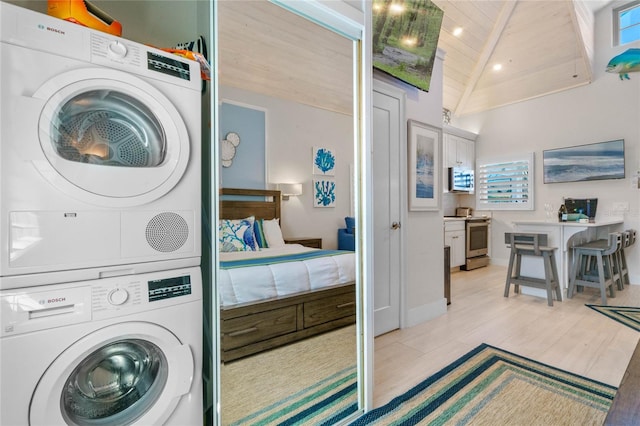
292 351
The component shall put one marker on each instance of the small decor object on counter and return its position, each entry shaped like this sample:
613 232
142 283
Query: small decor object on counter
562 213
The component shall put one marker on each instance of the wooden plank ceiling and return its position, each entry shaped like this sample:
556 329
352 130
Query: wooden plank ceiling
544 46
265 49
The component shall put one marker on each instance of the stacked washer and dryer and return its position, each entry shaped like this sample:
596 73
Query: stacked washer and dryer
100 285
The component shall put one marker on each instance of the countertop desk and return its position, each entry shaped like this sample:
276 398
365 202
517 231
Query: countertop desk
563 235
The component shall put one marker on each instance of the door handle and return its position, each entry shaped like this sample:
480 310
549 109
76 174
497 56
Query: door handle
395 225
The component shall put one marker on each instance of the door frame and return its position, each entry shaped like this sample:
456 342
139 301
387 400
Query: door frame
397 93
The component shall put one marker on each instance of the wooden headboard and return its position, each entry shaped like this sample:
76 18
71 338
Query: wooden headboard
261 203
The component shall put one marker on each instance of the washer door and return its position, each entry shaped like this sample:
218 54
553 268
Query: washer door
110 137
129 373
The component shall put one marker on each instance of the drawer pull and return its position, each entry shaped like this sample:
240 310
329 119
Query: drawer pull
241 332
346 305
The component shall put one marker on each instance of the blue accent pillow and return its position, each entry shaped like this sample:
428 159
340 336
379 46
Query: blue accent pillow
350 221
258 230
237 235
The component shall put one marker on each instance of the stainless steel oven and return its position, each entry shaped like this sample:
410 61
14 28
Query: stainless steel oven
477 243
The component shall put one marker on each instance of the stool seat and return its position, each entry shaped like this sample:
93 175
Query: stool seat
595 265
527 244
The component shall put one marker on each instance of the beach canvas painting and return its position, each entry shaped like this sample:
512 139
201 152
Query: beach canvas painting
424 166
597 161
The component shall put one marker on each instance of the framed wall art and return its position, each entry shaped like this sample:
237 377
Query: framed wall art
424 166
596 161
324 193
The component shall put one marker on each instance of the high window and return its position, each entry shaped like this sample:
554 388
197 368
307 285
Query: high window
626 23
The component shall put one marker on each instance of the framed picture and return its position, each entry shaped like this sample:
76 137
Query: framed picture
324 161
425 162
324 193
596 161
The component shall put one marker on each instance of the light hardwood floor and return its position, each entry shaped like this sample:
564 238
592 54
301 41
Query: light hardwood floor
568 335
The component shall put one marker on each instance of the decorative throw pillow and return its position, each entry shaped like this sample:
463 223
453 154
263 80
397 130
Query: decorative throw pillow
273 233
237 234
261 240
351 224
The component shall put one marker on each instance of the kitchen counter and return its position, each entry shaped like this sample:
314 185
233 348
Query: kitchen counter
453 218
563 235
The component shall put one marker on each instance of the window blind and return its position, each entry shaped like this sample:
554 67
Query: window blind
505 184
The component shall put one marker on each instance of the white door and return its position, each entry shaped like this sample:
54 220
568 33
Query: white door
388 131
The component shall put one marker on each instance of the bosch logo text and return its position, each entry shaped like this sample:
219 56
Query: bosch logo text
56 300
55 30
51 29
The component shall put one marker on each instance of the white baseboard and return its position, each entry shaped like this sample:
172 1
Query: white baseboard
427 312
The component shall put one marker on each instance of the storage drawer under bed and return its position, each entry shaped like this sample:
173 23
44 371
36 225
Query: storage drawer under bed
237 332
328 309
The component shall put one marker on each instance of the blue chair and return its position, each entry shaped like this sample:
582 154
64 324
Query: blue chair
347 235
346 240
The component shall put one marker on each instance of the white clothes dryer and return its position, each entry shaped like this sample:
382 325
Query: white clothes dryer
99 153
124 350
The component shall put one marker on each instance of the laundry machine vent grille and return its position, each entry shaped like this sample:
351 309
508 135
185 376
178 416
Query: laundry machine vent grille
167 232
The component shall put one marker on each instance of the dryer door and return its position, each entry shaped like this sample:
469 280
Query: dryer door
127 373
110 138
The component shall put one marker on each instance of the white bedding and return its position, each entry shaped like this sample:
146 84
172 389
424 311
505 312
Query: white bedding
253 283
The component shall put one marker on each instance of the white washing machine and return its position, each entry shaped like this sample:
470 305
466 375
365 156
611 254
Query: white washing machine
99 153
124 350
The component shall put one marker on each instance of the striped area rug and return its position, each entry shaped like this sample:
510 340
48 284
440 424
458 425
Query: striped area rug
324 403
626 315
490 386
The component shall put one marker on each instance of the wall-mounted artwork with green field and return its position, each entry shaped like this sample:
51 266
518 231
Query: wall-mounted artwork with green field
405 39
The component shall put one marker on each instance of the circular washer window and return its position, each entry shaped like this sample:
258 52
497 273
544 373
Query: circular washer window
109 128
119 382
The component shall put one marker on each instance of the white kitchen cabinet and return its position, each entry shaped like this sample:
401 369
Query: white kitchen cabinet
458 150
454 237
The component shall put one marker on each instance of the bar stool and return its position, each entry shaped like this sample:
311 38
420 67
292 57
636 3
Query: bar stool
594 266
526 244
628 239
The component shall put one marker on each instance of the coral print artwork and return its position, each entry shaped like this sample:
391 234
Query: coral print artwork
324 161
324 193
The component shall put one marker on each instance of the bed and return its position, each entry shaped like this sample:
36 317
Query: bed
282 294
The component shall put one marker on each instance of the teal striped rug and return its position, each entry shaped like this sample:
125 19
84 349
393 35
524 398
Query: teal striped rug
490 386
324 403
627 315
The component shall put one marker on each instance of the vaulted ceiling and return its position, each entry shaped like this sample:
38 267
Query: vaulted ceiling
543 46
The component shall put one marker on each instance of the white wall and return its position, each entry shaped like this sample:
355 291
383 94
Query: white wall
423 235
292 130
606 109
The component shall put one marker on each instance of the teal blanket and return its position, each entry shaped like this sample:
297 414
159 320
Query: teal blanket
270 260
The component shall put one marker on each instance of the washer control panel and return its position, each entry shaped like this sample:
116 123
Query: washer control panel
31 309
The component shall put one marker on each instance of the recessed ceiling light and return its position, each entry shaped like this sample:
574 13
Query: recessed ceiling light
497 67
457 31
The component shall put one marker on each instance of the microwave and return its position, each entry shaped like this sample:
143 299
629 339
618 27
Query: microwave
460 179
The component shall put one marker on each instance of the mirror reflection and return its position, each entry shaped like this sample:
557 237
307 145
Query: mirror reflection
287 262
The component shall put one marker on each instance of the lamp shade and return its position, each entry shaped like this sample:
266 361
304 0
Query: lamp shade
288 189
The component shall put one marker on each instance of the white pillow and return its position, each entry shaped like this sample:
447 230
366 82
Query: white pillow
273 233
